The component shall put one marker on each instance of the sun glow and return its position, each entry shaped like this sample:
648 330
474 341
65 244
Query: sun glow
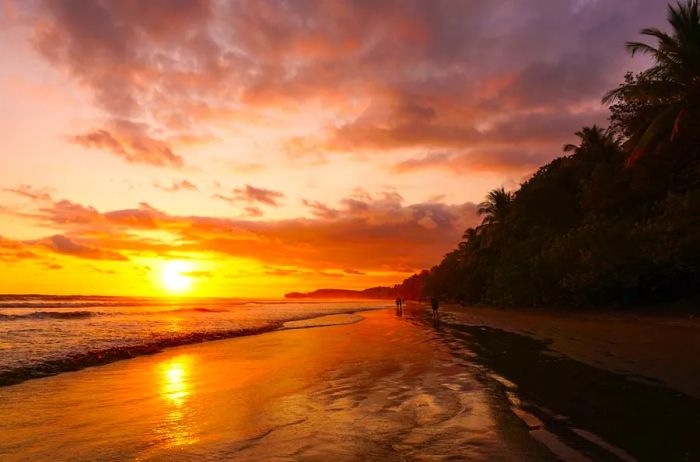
174 276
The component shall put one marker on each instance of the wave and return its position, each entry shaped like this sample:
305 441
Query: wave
81 360
60 305
77 361
191 310
89 314
50 315
87 301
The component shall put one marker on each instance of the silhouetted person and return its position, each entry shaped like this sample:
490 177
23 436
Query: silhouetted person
398 305
435 305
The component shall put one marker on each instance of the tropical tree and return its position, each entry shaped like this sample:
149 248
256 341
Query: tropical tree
586 229
664 99
496 206
595 143
470 239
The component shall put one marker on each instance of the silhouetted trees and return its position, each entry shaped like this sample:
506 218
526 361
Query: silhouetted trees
495 207
616 220
662 103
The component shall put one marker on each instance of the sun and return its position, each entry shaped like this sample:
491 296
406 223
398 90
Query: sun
174 276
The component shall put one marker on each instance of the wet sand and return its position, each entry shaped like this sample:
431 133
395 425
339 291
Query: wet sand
382 388
662 349
373 386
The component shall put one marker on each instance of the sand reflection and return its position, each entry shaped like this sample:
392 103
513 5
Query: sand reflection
176 391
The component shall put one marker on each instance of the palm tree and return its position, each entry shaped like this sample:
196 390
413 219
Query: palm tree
669 91
496 206
470 239
595 143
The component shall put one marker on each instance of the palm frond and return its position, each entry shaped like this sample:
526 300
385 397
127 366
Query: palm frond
640 47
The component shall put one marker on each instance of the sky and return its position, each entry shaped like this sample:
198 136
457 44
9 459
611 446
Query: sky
252 148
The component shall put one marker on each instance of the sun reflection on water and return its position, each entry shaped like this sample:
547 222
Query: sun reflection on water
175 386
176 391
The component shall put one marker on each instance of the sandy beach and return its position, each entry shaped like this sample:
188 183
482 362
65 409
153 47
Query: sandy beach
378 389
368 386
656 347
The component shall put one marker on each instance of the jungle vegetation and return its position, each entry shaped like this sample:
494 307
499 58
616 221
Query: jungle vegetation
616 219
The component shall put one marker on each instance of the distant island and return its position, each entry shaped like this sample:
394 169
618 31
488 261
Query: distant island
410 289
377 293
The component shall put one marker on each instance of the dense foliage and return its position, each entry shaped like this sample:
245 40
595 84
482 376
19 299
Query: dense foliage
616 220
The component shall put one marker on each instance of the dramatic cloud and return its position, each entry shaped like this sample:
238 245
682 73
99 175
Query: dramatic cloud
367 234
441 75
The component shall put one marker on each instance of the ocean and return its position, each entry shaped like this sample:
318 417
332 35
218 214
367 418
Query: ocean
43 335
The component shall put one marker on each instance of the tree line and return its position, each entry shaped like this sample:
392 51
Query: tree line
616 219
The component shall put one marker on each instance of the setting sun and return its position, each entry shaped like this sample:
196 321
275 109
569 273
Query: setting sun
174 276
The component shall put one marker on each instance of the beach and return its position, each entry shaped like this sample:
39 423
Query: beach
371 385
658 347
372 388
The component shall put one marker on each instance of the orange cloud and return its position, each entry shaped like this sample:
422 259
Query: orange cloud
61 244
11 250
398 74
253 212
182 185
252 194
130 141
321 210
31 193
507 161
367 234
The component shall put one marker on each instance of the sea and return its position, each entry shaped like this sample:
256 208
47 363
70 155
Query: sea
43 335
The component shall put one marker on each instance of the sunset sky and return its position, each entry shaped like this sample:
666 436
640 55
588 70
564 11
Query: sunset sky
251 148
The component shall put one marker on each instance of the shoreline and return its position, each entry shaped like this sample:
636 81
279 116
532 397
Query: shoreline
93 358
385 388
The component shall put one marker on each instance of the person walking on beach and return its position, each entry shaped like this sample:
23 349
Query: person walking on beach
435 305
398 305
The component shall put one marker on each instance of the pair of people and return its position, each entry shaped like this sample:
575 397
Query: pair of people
434 303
